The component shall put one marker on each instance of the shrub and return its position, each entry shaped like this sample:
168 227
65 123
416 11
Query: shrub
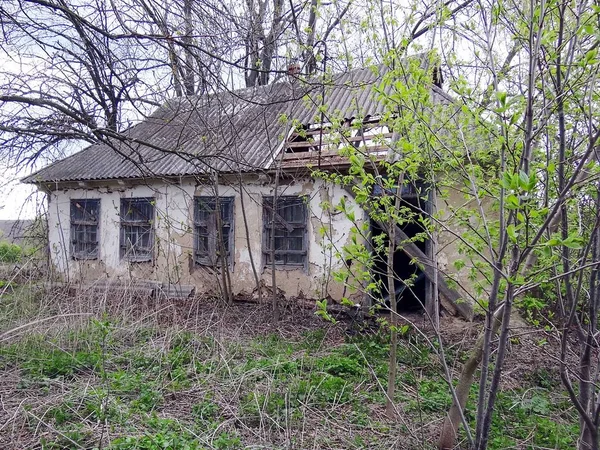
340 366
10 253
55 363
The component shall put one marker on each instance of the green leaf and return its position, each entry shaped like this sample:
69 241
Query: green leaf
523 180
459 264
346 302
515 118
573 241
553 242
590 57
506 180
501 97
532 181
512 201
512 232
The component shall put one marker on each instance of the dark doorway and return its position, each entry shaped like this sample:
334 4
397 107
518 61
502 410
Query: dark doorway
408 298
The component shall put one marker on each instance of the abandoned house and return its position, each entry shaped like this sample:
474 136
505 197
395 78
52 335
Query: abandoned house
191 189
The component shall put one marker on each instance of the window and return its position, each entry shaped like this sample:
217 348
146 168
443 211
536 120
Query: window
290 230
137 233
206 236
84 228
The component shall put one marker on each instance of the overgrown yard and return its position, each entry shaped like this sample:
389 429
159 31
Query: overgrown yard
196 375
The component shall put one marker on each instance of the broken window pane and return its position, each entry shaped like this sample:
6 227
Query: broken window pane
84 228
137 230
289 223
206 249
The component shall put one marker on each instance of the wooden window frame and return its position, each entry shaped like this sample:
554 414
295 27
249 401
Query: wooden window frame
285 228
143 228
206 227
89 225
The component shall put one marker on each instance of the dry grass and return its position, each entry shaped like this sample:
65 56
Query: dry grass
113 371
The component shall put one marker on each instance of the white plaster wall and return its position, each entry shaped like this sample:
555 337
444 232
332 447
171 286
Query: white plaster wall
174 237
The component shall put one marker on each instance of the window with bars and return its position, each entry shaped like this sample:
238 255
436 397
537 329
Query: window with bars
137 229
207 250
289 224
85 215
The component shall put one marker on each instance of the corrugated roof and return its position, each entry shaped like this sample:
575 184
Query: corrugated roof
228 131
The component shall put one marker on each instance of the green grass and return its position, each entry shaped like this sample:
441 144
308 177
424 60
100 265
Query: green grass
161 387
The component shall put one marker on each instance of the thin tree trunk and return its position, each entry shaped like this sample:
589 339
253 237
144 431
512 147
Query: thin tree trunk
188 69
453 419
482 439
274 300
433 308
309 51
391 277
225 279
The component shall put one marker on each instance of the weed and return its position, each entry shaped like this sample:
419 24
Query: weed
10 253
75 437
125 382
273 345
139 360
206 411
373 347
331 389
164 434
544 378
115 377
414 354
62 413
180 354
434 395
148 399
158 441
205 367
6 284
340 366
227 442
99 406
254 404
54 363
312 340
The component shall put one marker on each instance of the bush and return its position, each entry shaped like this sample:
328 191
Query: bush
10 253
340 366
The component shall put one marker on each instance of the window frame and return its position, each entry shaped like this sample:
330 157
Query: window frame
94 223
211 233
285 227
147 226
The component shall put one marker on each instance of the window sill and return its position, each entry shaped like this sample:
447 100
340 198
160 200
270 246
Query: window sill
201 265
136 260
287 267
84 257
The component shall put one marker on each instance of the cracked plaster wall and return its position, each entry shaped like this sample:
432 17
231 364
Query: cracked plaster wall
173 262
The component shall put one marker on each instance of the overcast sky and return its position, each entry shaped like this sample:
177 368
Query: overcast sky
17 200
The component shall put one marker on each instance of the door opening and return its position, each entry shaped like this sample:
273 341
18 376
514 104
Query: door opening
410 283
